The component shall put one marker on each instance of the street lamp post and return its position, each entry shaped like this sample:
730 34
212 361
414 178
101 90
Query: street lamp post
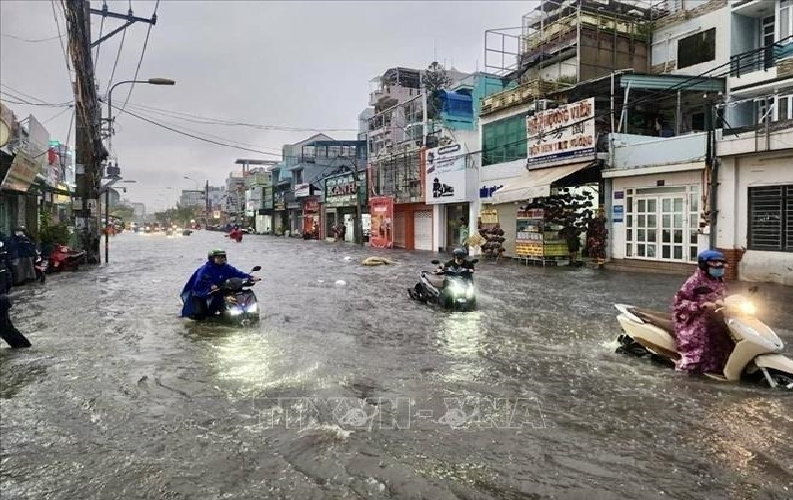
150 81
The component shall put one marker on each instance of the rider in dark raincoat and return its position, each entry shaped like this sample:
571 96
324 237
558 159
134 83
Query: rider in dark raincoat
196 292
702 339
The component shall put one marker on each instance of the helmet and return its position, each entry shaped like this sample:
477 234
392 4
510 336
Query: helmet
709 256
217 252
459 252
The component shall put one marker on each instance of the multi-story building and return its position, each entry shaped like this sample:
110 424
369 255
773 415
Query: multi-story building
717 173
192 198
235 198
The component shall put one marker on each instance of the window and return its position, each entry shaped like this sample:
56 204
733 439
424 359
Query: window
504 140
298 176
771 218
697 48
785 19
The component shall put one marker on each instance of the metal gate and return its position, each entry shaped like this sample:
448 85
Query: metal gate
399 229
422 229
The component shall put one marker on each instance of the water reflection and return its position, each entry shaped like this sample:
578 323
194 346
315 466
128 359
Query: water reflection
461 337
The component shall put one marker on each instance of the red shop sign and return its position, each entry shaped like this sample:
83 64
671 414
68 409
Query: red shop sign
311 206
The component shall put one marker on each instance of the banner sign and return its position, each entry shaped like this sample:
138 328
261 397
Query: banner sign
22 172
341 191
445 174
564 133
381 209
302 190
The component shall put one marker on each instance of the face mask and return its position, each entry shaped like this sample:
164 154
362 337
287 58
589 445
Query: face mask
716 272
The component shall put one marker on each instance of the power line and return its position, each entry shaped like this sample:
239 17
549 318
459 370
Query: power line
142 53
210 141
32 41
56 115
115 64
219 121
101 28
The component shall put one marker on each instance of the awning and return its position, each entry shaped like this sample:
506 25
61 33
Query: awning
535 183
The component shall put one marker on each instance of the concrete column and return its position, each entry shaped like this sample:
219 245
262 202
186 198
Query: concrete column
438 225
473 220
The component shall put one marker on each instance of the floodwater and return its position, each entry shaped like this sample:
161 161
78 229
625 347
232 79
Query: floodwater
350 390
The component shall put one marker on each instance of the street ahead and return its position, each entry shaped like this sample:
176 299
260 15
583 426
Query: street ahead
350 390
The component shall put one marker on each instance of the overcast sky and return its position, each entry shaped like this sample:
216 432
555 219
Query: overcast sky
289 64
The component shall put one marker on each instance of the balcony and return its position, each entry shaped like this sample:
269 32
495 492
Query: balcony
773 136
761 65
636 151
522 94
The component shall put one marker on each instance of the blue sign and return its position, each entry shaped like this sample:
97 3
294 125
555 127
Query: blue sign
487 191
618 212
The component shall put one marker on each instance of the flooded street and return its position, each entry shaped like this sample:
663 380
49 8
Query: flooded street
351 390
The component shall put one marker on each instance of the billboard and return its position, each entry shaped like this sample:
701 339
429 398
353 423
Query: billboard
445 174
341 191
22 172
381 209
561 135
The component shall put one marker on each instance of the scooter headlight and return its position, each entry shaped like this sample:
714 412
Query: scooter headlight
748 308
235 311
470 291
253 308
456 288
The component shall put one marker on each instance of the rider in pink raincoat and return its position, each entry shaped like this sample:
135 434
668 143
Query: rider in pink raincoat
702 339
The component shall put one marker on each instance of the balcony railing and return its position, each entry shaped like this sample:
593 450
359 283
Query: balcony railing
761 59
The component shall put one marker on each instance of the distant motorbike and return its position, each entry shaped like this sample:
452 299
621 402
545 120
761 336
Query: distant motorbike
757 354
240 305
64 258
453 290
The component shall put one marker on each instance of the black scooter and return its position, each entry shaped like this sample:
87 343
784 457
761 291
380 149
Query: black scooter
240 305
456 291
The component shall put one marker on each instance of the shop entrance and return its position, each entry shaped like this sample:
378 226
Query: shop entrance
457 225
662 224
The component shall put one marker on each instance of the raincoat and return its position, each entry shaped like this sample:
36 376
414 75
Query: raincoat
702 339
200 284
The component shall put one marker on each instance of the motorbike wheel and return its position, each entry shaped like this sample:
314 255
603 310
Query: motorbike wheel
783 380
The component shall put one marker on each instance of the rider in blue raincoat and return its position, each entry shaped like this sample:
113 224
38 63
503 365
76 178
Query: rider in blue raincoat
196 294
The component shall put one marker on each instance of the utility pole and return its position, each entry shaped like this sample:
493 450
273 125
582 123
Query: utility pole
89 151
206 205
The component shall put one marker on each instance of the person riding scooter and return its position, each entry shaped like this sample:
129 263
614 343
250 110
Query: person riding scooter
459 262
198 294
702 340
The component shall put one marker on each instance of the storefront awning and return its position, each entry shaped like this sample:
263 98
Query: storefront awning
535 183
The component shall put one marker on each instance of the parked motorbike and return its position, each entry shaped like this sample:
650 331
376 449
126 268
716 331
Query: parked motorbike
240 305
453 290
755 356
64 258
40 265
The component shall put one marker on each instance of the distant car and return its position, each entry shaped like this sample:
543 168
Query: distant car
245 230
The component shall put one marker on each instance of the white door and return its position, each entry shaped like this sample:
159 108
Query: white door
422 229
663 226
349 221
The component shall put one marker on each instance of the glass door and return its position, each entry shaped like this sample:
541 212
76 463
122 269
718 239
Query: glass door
672 228
645 230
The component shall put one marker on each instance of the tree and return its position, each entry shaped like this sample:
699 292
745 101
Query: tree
435 80
123 212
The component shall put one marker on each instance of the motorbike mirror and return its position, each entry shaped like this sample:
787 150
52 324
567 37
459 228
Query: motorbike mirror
256 268
435 261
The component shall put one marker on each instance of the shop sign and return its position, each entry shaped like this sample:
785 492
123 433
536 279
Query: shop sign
22 172
487 191
216 214
445 174
310 206
341 191
562 135
381 209
278 201
618 213
302 190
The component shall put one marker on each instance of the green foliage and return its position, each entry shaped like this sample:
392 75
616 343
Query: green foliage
50 233
435 80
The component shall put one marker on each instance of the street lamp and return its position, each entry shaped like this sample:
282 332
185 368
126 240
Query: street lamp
150 81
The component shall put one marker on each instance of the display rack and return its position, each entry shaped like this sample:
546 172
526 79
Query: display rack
491 231
537 241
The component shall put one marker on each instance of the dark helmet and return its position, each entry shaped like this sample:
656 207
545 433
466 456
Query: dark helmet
217 252
709 256
459 252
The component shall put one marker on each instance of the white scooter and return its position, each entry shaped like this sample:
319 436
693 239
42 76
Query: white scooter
756 354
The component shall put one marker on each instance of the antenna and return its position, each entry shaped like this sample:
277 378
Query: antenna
434 50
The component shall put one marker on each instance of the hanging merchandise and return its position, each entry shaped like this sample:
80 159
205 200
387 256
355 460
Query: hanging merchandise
596 238
491 231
